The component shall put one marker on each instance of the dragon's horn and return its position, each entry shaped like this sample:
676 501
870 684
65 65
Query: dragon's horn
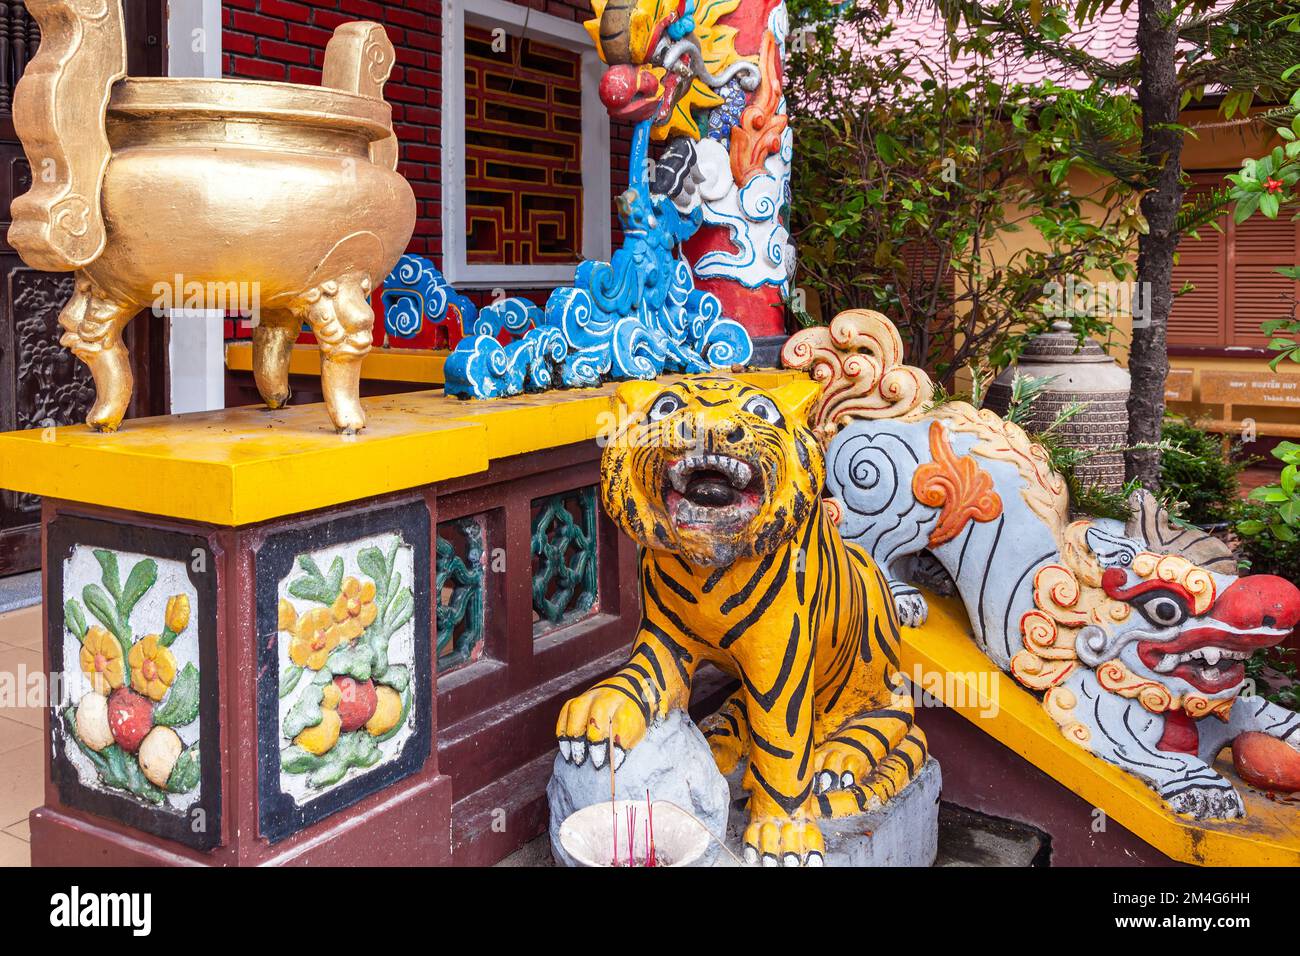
1151 524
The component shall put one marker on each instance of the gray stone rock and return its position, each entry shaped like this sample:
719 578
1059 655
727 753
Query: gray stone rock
673 762
904 832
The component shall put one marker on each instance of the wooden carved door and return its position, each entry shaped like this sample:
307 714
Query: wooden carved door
41 383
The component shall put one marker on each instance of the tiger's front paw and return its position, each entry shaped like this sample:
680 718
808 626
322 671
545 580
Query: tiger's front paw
600 724
837 765
783 841
728 750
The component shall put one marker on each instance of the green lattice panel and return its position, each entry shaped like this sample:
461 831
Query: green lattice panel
564 557
461 573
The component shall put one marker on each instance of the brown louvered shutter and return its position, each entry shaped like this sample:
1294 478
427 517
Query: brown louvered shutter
1256 292
1199 317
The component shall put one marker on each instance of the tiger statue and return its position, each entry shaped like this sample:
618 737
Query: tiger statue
1135 633
720 482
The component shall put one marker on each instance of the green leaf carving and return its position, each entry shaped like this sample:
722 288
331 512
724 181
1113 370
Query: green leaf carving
289 678
356 749
74 620
371 561
293 759
99 604
397 677
185 775
182 704
138 582
356 660
315 586
306 712
400 612
109 573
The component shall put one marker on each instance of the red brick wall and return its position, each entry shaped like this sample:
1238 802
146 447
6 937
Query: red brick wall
285 40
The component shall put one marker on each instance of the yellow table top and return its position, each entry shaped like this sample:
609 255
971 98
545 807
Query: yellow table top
1269 835
241 465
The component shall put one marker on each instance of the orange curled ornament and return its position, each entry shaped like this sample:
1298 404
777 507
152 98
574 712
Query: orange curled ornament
955 484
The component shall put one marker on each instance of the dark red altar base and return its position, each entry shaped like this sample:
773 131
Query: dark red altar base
479 791
981 774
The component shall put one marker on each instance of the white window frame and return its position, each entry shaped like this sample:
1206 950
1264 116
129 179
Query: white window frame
596 210
196 363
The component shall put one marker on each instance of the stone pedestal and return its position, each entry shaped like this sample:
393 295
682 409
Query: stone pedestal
904 832
673 763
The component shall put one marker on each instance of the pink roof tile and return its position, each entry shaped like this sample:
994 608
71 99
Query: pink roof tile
921 35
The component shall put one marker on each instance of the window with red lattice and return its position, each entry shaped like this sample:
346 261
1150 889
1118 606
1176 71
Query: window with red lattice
523 150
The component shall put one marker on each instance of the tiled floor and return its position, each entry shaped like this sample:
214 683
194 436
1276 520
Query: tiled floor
20 734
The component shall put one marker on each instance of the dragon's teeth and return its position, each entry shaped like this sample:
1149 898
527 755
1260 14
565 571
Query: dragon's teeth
1167 663
1211 655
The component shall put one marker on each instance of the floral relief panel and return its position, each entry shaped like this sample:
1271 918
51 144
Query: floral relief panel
129 735
351 691
136 718
346 653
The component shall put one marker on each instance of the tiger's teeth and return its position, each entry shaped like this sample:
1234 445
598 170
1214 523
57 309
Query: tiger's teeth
1167 663
738 472
677 474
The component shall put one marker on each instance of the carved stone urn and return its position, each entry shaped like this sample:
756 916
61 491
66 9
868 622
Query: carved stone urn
158 191
1079 373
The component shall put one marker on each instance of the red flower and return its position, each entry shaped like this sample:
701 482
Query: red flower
1273 185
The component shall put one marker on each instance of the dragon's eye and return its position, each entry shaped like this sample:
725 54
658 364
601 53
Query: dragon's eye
760 406
663 406
1162 609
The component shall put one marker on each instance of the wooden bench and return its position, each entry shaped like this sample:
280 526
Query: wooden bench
1250 387
1178 384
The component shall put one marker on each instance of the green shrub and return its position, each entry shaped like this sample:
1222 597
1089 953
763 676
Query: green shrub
1264 552
1281 519
1200 480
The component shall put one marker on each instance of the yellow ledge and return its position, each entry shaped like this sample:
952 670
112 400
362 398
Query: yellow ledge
944 652
422 366
242 465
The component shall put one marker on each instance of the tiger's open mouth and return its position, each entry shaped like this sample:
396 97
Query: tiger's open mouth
1211 659
712 493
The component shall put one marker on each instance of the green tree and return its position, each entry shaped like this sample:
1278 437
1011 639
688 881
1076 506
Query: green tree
1184 48
907 195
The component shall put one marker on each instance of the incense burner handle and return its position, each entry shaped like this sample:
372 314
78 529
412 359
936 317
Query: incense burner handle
59 109
358 59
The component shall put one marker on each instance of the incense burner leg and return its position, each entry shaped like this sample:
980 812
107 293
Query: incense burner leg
93 325
273 340
342 320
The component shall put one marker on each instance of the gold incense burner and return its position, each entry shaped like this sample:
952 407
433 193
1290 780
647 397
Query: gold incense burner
282 195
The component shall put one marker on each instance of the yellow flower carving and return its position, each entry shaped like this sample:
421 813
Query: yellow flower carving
354 609
101 659
177 614
152 667
288 617
314 636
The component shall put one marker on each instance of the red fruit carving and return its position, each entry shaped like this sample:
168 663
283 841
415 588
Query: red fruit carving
357 702
130 718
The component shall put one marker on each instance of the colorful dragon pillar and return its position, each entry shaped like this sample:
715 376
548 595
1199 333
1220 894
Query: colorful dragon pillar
707 74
